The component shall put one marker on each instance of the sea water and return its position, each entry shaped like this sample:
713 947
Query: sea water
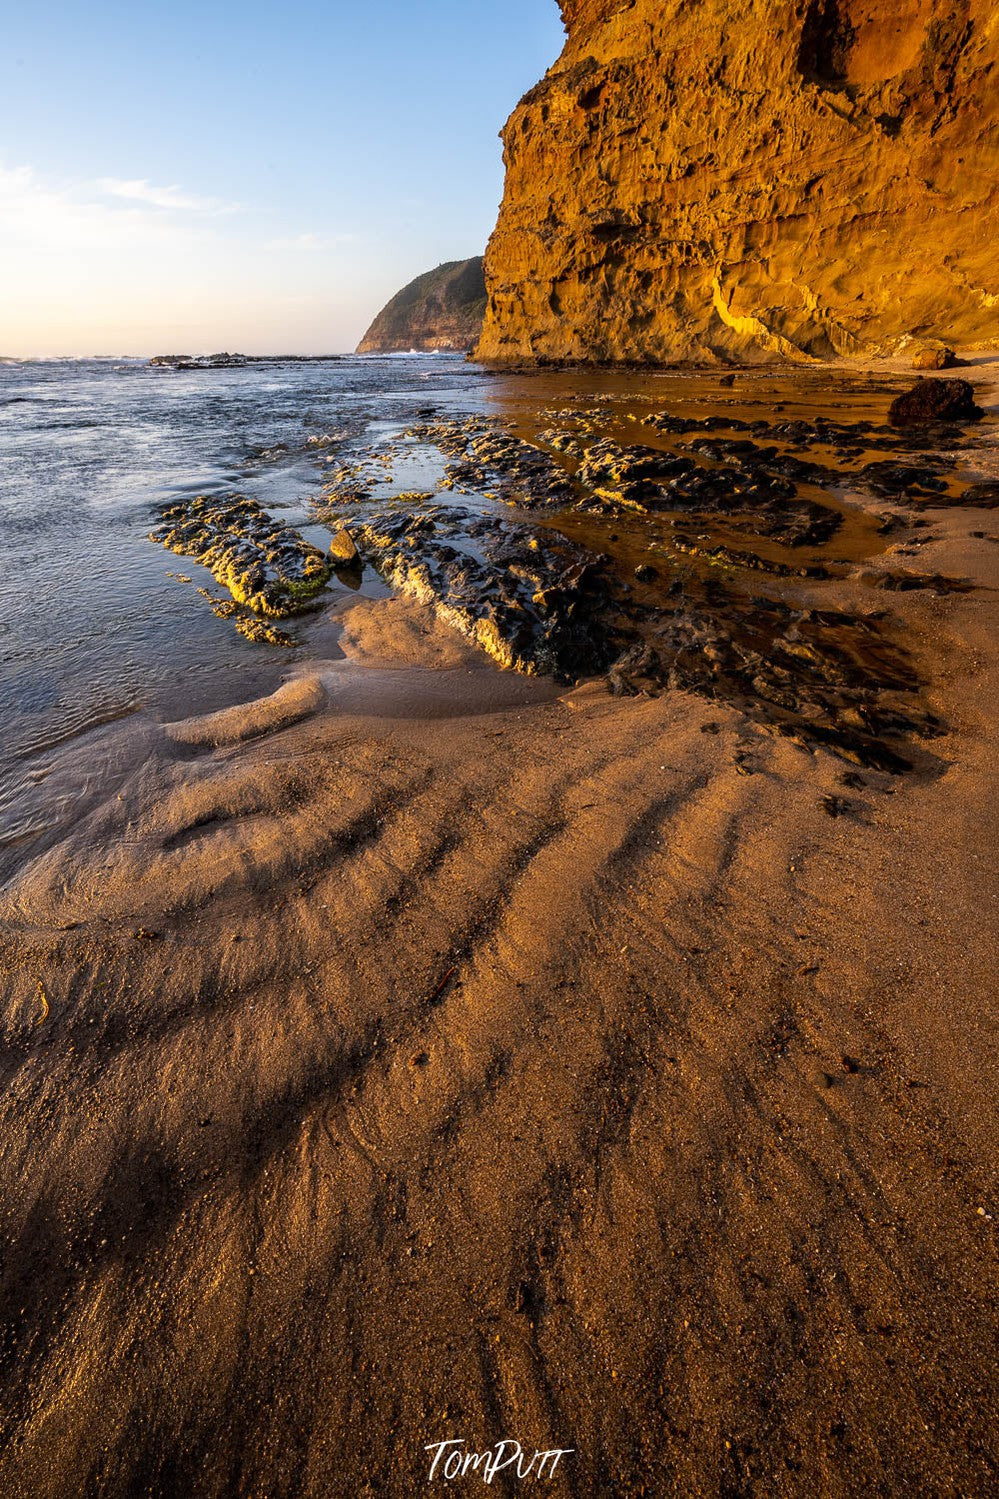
98 623
94 622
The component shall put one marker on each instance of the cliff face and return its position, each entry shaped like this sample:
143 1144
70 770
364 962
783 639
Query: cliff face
440 310
752 179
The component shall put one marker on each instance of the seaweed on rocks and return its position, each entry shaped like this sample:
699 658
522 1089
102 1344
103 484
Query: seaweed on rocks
549 586
250 626
982 496
537 602
650 480
542 594
902 480
266 566
606 475
559 546
606 462
820 677
726 557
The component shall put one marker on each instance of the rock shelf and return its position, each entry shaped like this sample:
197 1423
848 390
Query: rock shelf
268 567
547 588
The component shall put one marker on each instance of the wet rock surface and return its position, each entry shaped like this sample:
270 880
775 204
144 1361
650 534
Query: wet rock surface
268 568
935 401
484 455
534 604
608 536
982 496
575 548
817 676
200 361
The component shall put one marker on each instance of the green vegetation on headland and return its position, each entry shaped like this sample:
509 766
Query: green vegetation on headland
441 311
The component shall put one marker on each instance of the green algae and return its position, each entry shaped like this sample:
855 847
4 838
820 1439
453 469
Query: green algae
266 566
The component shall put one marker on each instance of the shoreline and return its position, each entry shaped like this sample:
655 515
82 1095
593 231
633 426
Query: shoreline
562 1071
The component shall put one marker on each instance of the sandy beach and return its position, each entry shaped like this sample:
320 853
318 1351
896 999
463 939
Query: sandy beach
467 1058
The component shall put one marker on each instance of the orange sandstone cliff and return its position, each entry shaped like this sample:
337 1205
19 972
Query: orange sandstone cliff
771 178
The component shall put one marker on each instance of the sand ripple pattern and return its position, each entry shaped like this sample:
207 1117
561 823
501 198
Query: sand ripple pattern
541 1076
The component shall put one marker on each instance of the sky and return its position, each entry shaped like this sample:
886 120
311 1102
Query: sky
187 176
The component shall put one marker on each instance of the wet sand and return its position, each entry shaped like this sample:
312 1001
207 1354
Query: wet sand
512 1063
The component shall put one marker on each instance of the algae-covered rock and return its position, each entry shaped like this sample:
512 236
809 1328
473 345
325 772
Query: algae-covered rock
343 550
266 566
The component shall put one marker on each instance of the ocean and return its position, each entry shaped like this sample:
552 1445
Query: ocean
94 623
98 623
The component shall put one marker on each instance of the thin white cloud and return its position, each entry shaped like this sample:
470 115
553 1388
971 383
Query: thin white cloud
97 270
37 215
138 190
66 217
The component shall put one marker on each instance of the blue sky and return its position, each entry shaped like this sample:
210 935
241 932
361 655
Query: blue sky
182 177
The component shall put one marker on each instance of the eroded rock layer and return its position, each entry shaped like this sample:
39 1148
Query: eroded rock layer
777 178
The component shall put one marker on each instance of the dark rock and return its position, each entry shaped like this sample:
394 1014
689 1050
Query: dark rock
534 603
538 596
485 456
934 582
888 478
935 401
981 496
201 361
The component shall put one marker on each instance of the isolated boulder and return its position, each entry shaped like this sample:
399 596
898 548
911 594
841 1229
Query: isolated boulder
343 549
935 401
935 358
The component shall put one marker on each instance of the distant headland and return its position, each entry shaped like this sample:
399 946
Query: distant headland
440 312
